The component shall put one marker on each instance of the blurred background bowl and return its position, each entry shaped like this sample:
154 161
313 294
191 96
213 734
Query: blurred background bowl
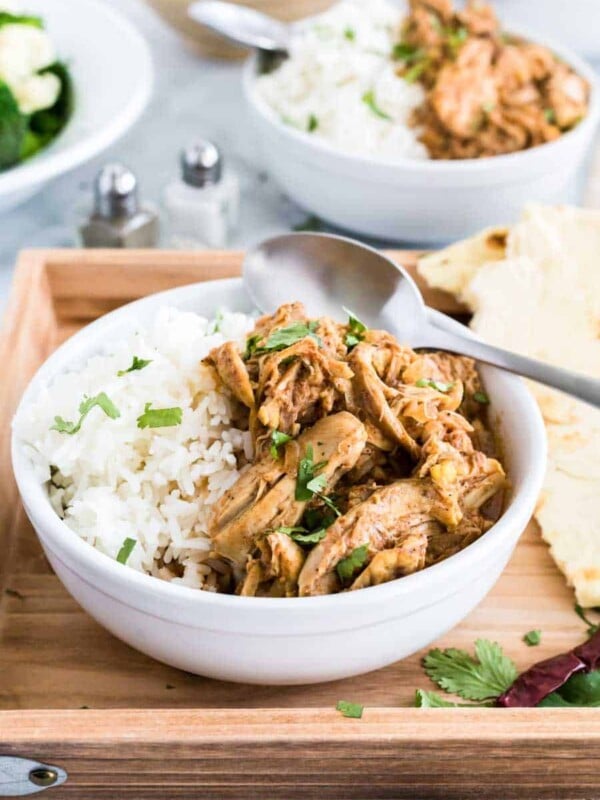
174 12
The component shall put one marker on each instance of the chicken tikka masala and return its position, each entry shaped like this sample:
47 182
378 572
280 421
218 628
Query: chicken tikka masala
371 461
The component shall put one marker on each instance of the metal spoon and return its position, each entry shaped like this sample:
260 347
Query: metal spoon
242 25
327 272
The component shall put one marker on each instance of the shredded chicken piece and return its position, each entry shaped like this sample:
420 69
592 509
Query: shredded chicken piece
232 371
407 557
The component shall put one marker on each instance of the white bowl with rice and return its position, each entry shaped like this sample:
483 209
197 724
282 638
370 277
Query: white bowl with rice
155 486
368 174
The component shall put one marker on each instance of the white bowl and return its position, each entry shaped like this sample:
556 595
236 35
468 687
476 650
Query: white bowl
112 73
293 640
423 201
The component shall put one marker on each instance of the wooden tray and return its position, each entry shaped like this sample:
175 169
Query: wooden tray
123 725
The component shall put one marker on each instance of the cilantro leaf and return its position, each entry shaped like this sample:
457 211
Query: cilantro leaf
282 338
550 115
356 330
316 485
402 51
126 550
532 638
481 397
486 676
429 383
350 34
456 39
306 473
101 400
278 439
347 709
592 627
251 345
349 565
159 417
414 73
312 124
302 535
311 223
6 18
136 364
425 699
368 99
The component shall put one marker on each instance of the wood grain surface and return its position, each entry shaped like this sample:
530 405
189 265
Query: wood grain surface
124 725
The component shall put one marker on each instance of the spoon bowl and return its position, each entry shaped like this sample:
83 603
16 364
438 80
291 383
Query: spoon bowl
328 273
242 25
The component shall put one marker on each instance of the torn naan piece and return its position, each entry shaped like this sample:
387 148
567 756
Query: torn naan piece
542 298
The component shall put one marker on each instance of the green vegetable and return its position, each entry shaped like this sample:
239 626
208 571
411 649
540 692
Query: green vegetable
407 52
6 18
285 337
352 710
439 386
136 364
532 638
425 699
356 330
306 474
414 73
302 535
350 34
13 127
349 565
311 223
126 550
101 400
252 345
582 689
550 115
486 676
215 326
369 99
159 417
313 123
456 39
45 125
278 439
592 626
481 397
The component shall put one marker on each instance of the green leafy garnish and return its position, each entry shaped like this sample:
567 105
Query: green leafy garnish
456 39
356 330
6 18
350 34
126 550
215 325
251 345
414 73
159 417
312 124
439 386
286 337
592 626
311 223
369 99
101 400
550 115
349 565
582 689
486 676
136 364
425 699
302 535
352 710
306 474
532 638
278 439
407 52
481 397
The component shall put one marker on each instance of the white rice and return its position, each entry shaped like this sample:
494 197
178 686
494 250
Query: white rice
328 74
112 480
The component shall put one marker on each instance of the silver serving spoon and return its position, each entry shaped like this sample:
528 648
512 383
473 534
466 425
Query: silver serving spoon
327 272
242 25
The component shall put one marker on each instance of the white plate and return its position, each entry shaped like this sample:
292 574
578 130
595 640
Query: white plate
112 71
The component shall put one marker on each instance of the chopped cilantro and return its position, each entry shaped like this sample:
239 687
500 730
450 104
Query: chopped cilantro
414 73
356 330
439 386
486 676
347 709
252 345
592 626
7 18
306 474
481 397
407 52
456 39
350 34
136 364
126 550
101 400
278 439
550 115
369 99
302 535
311 223
159 417
532 638
312 124
349 565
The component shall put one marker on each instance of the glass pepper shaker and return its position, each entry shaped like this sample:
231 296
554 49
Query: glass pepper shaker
202 206
118 219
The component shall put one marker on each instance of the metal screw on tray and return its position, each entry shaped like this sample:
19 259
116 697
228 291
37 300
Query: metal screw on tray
118 219
203 204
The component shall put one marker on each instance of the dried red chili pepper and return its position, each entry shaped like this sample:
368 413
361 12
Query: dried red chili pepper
546 677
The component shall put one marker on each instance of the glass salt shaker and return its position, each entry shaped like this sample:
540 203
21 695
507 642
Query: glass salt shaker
203 204
118 219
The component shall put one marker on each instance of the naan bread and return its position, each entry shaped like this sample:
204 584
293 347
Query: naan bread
542 298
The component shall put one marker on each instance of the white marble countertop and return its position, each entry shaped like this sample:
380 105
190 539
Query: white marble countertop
192 97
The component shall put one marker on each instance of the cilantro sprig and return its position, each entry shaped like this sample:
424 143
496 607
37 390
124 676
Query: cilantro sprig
160 417
348 709
282 338
532 638
347 567
87 404
369 100
302 535
126 550
309 484
278 439
429 383
482 677
356 330
136 364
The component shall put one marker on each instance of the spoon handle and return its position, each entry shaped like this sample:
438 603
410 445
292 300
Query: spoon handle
572 383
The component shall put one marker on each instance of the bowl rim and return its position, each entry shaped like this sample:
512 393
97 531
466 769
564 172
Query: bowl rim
404 164
69 548
48 164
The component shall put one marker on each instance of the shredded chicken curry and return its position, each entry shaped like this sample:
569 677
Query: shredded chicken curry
371 461
488 92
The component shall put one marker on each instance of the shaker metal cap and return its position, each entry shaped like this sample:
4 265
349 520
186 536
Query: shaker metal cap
115 191
201 163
